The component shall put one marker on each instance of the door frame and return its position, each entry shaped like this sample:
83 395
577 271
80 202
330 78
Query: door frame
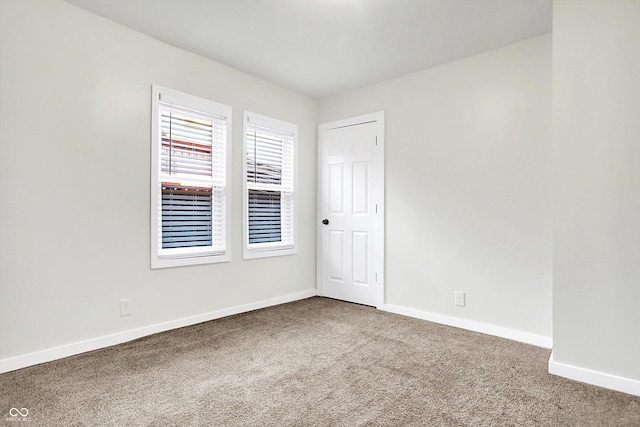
378 257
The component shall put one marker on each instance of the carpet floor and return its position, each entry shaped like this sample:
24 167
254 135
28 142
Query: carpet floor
316 362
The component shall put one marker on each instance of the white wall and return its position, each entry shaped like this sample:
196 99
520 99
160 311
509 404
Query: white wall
75 176
596 77
468 185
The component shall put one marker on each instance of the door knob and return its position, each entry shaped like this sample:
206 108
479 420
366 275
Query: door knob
325 221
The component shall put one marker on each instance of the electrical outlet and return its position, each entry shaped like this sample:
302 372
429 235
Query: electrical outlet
125 307
459 298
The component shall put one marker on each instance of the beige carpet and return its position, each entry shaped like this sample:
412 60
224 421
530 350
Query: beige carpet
316 362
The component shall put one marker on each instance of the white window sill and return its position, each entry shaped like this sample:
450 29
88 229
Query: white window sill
166 262
267 253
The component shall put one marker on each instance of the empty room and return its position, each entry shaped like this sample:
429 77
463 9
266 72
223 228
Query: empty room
320 212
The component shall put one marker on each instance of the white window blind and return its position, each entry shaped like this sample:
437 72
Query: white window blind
186 216
191 179
270 180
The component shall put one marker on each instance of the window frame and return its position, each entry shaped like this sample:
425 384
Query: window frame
191 255
263 250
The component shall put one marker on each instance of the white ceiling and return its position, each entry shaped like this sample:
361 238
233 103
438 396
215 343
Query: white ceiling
323 47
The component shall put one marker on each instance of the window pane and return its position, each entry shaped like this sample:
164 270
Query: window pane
186 143
186 216
264 158
264 216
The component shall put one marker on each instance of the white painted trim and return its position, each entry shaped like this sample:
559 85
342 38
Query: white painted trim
42 356
268 250
191 256
600 379
498 331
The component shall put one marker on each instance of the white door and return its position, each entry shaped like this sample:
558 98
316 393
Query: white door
351 210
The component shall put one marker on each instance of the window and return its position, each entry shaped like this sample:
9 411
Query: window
189 187
269 186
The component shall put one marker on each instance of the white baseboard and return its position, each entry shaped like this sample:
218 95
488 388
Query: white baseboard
600 379
512 334
42 356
